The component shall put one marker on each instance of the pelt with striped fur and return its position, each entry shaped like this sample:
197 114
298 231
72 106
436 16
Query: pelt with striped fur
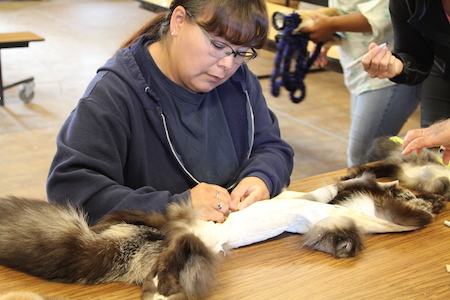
422 173
342 237
55 243
162 253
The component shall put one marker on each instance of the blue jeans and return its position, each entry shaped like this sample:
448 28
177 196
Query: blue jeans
435 104
379 113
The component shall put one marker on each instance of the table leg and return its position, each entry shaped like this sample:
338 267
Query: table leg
1 83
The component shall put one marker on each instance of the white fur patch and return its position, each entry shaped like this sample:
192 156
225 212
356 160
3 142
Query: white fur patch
429 171
120 231
361 202
157 296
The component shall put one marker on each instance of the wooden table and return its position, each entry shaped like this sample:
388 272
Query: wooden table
393 266
18 39
15 40
333 54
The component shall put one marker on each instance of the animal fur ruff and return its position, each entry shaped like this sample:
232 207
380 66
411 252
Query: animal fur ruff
175 256
159 252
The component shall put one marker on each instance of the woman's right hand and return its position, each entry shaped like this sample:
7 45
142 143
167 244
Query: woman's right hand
211 200
379 62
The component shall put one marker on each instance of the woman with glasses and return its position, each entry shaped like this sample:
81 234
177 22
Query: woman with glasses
176 115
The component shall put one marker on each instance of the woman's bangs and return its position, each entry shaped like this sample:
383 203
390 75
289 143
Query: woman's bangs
239 29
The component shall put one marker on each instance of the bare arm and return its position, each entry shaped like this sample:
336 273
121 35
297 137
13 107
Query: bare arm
324 26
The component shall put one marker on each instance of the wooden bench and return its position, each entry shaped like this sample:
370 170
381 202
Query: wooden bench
333 54
15 40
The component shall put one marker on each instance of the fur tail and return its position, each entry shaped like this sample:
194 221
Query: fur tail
42 239
339 236
407 212
385 148
55 243
186 268
382 148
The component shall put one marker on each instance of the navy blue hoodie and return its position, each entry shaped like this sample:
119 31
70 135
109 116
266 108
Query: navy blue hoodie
114 151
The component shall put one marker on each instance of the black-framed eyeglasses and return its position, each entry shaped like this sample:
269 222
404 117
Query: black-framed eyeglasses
220 49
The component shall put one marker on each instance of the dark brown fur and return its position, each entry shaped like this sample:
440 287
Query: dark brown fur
341 236
422 173
160 252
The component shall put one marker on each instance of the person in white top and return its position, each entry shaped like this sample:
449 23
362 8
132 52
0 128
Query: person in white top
379 107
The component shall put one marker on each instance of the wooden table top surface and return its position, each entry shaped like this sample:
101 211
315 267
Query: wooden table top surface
392 266
23 36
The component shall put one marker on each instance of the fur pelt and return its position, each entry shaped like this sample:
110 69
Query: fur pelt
55 243
422 173
343 237
175 256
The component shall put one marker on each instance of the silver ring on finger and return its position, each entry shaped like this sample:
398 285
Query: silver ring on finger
219 206
217 194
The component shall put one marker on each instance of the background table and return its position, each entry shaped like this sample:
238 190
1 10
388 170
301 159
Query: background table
393 266
15 40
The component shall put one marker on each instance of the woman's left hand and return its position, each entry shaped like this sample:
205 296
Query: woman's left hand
247 192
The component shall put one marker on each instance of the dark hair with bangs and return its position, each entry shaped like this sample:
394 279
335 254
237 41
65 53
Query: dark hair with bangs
241 22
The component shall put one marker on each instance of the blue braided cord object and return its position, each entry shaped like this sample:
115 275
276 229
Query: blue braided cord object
290 44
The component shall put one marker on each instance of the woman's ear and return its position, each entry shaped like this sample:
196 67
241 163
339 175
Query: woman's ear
179 16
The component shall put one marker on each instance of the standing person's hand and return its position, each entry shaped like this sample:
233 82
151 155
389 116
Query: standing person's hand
322 59
247 192
381 63
321 30
211 200
436 135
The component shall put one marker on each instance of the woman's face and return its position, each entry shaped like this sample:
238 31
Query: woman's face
193 66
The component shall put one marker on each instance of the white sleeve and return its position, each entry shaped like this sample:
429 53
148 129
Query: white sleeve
377 13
